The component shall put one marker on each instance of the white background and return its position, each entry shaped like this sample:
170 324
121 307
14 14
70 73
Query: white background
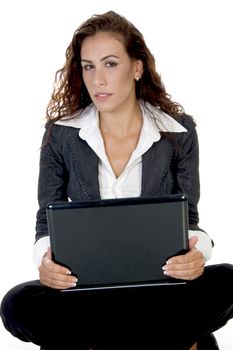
192 43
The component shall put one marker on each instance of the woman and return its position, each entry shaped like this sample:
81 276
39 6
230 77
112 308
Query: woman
113 131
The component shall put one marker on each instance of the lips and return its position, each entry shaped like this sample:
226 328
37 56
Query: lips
102 96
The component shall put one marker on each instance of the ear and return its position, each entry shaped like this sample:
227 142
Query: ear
138 69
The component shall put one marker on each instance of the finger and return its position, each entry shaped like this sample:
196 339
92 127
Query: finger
56 284
50 266
185 274
48 263
49 253
187 267
192 242
185 258
55 276
58 281
191 265
186 271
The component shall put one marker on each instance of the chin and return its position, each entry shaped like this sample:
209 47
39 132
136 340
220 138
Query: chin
104 107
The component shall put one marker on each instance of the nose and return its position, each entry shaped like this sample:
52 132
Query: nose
99 77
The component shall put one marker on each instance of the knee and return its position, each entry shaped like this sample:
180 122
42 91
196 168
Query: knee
11 303
15 302
217 281
220 270
225 271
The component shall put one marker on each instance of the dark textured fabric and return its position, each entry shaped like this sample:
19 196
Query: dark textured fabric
69 168
139 318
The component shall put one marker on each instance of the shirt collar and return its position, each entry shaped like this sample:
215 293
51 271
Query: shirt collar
154 121
159 120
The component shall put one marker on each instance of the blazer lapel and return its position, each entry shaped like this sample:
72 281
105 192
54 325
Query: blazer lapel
85 162
155 165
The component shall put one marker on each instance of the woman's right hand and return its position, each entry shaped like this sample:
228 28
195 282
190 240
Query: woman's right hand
53 275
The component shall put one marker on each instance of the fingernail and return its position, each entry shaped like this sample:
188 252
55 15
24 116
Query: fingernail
68 272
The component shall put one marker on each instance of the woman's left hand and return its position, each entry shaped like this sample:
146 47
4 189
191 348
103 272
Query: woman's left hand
188 266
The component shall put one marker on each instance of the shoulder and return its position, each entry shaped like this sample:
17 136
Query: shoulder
166 122
187 121
187 141
57 135
190 137
58 130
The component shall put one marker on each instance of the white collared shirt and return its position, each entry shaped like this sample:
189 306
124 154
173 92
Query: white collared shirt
128 184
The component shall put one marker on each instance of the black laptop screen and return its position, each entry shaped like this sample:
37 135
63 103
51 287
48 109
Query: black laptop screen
118 242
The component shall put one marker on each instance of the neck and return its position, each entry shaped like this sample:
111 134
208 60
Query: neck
121 123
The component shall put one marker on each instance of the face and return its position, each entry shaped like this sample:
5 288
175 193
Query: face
108 72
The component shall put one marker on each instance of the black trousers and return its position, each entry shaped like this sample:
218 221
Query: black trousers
137 318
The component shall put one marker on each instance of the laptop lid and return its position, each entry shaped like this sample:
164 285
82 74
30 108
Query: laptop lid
118 243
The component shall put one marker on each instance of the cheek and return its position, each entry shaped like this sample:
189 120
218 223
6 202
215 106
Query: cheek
128 81
123 80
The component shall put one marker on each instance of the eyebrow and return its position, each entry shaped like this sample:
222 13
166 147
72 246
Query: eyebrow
102 59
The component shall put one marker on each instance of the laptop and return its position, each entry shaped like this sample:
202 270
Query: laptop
119 243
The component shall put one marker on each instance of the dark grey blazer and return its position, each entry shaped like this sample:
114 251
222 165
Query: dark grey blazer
69 168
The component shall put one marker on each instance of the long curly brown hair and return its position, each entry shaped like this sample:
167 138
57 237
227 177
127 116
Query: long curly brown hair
70 93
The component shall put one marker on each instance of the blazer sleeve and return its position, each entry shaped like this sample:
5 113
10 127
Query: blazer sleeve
53 176
187 169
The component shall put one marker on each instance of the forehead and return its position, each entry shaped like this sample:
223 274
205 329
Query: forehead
101 45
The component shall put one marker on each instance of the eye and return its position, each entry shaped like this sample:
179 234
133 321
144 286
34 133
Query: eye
110 64
88 66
